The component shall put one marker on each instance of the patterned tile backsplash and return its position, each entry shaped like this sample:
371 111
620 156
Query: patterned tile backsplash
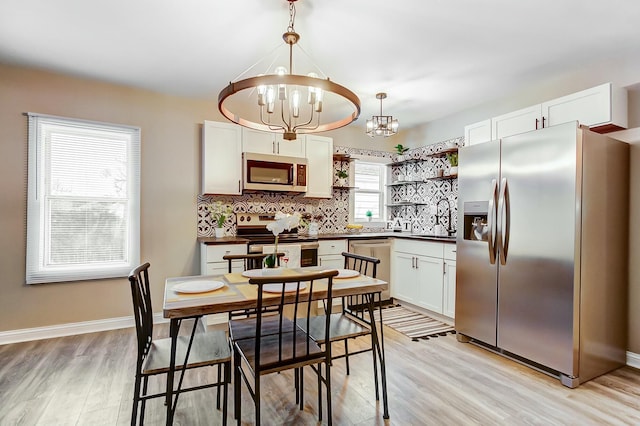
335 211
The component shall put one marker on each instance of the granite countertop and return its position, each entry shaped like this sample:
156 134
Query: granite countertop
361 236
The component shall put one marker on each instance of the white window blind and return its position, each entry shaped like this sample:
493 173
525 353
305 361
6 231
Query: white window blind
83 208
369 195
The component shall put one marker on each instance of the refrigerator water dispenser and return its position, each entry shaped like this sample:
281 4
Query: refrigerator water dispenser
475 221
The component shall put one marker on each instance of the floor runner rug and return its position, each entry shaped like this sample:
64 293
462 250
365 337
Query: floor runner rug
413 324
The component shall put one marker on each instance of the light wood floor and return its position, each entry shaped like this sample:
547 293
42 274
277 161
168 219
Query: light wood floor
88 380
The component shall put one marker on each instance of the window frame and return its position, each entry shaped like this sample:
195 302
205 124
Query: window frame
37 271
384 162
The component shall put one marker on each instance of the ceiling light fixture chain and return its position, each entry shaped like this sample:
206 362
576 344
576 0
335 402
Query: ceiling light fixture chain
382 125
284 90
292 15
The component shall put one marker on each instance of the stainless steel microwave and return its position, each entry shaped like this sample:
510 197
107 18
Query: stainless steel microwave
264 172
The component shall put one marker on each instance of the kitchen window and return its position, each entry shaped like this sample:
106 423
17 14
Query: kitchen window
83 206
369 195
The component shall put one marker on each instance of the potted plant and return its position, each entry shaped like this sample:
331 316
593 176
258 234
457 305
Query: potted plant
219 214
453 161
342 178
401 150
369 215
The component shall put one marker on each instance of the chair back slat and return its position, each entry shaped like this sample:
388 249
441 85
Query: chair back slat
142 310
366 265
291 345
250 260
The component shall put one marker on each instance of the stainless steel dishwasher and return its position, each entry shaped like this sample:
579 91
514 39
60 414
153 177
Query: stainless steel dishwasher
381 249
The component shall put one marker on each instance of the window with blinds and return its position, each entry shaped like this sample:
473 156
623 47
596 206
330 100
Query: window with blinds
369 196
83 208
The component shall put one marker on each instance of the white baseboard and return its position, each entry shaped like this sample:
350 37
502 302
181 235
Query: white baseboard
633 359
70 329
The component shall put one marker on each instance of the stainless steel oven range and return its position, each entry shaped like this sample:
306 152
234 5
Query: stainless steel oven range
253 226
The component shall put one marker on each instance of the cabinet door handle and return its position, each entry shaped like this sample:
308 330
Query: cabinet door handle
537 121
543 120
238 186
273 145
319 262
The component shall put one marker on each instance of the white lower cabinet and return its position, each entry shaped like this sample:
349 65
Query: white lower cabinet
421 275
330 253
449 302
330 256
211 262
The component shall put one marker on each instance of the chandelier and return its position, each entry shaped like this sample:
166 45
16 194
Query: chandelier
382 125
288 103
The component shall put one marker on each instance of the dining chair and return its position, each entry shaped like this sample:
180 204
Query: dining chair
249 261
280 344
203 349
352 321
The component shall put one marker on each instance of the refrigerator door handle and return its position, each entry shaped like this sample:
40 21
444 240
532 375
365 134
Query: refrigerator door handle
491 221
504 220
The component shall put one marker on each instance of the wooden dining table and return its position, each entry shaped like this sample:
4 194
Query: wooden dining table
235 293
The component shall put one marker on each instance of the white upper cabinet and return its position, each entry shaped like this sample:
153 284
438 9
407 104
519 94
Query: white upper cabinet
271 143
603 108
319 151
477 132
221 158
523 120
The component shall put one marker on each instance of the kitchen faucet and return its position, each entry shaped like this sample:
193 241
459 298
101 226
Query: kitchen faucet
449 228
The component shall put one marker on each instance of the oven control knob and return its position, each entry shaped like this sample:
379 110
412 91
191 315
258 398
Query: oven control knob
241 218
248 218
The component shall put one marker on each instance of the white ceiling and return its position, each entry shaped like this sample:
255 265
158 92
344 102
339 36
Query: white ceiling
432 57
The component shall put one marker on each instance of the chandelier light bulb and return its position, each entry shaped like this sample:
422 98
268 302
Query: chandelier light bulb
295 103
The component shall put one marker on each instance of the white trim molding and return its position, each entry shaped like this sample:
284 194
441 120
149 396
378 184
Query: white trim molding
633 360
70 329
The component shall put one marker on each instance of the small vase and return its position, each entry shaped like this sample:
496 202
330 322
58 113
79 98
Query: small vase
219 232
453 170
313 229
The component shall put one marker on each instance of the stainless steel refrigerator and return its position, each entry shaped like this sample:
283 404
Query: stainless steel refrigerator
542 249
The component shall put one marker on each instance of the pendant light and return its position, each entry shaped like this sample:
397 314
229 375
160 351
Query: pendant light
288 103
